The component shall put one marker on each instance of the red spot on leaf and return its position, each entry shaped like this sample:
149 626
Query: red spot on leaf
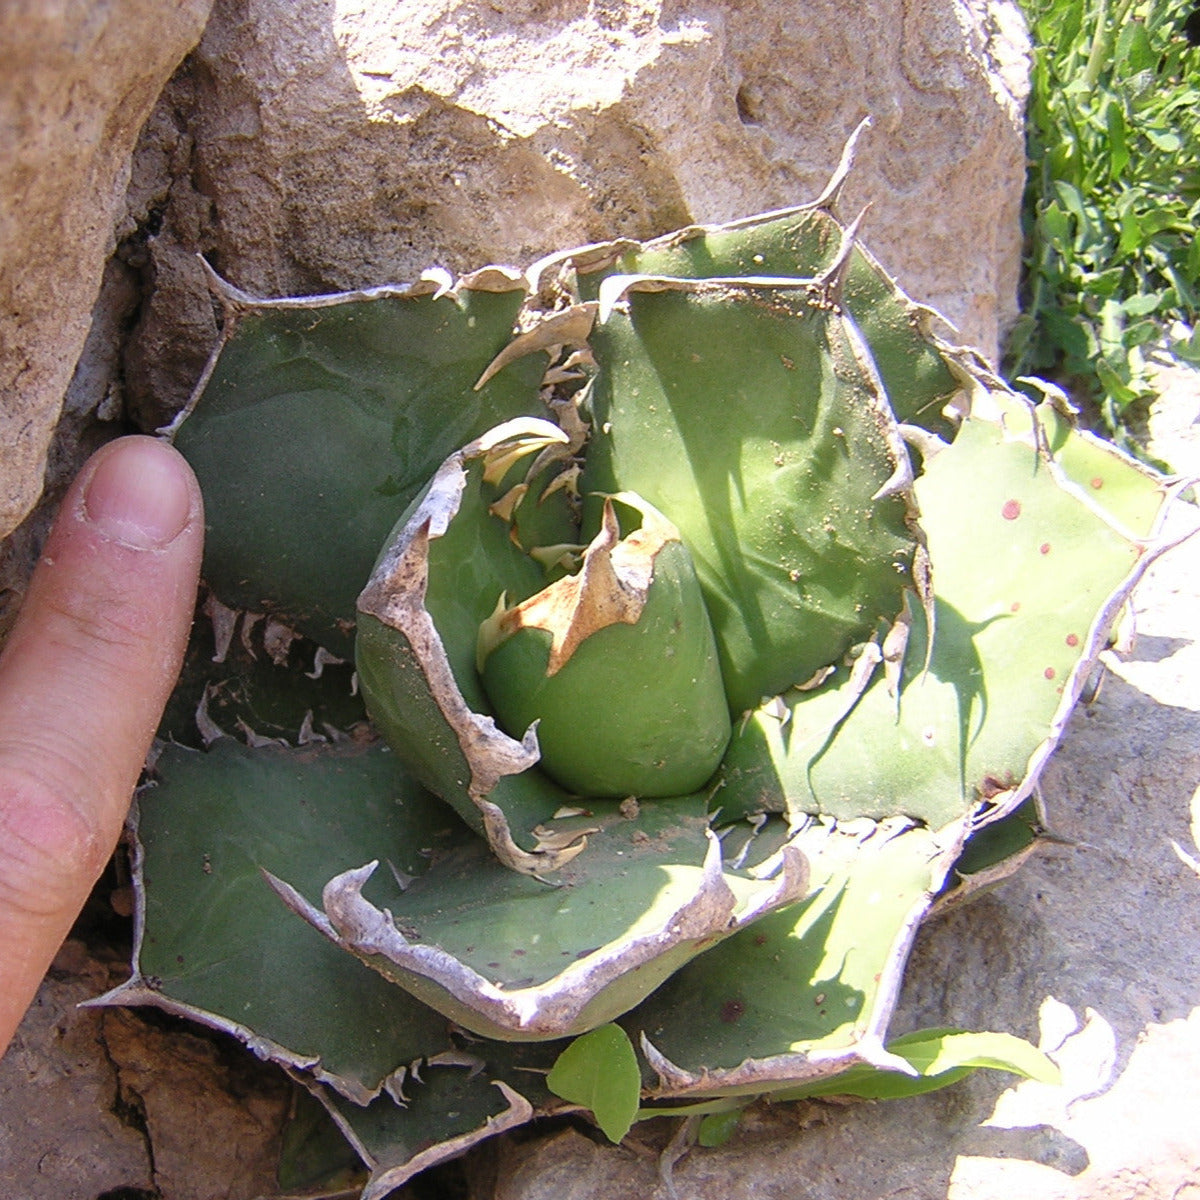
1044 548
994 785
1049 672
731 1011
1097 483
1015 606
1072 639
1011 510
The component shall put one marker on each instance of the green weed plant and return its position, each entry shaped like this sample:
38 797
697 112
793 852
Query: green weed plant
1112 199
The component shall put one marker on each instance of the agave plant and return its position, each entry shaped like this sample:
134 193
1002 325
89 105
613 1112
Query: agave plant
721 620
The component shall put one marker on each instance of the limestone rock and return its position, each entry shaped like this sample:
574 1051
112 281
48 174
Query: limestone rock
183 1084
104 1103
62 1132
311 147
356 144
77 82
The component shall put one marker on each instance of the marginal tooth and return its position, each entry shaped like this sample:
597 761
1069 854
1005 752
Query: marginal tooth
505 508
561 554
491 632
568 479
499 460
558 840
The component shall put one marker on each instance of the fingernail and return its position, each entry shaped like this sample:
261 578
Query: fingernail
138 494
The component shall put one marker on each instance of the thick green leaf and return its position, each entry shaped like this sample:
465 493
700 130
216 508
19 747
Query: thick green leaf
1021 568
600 1071
216 942
510 956
441 573
315 1153
802 243
747 416
833 962
993 852
321 419
442 1108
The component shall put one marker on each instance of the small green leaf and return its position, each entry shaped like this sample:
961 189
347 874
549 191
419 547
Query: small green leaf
942 1057
599 1070
1164 139
1134 51
936 1051
1188 348
717 1128
1114 385
1114 121
1140 306
1056 225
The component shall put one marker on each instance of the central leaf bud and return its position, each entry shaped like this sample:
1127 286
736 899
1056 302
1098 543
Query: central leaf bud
616 666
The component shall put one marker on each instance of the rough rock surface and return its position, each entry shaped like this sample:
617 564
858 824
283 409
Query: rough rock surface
77 83
105 1104
182 1084
60 1133
337 146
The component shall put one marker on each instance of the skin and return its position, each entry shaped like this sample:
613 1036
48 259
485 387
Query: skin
84 677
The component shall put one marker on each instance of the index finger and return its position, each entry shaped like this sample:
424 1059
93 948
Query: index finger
83 680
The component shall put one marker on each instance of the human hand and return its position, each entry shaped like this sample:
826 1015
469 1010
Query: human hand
84 677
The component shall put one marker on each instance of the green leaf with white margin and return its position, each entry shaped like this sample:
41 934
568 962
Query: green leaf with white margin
600 1071
214 943
941 1057
753 418
834 961
213 940
438 578
319 417
448 1106
508 956
1029 570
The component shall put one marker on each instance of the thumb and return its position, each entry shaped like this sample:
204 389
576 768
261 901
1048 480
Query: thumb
83 680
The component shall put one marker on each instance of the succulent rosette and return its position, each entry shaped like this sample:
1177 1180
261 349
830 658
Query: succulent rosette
720 623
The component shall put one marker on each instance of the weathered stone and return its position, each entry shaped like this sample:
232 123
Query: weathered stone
77 82
309 147
213 1115
61 1131
104 1103
356 144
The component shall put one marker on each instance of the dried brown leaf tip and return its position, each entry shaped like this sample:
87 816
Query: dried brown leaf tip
610 588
